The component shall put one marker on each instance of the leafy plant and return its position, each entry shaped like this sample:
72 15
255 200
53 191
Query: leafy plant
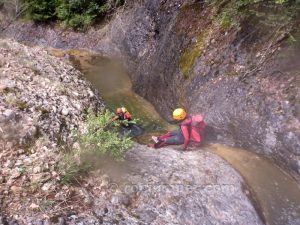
72 168
99 139
230 12
78 14
102 137
40 10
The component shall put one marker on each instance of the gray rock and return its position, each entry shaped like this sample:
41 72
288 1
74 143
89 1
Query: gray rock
120 199
9 113
9 164
57 90
61 221
168 186
65 111
15 174
47 186
37 169
19 163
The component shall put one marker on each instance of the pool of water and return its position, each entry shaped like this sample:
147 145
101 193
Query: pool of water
276 194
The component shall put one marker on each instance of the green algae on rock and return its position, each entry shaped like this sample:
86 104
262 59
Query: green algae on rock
188 57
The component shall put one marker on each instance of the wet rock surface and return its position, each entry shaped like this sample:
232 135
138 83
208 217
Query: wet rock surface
249 95
245 103
164 186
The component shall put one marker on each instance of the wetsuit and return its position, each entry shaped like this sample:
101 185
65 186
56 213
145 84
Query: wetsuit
130 129
187 132
124 116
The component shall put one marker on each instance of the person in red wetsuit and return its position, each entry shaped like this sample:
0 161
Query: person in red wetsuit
190 128
122 114
129 128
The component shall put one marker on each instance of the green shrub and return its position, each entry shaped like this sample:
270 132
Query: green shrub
102 137
40 10
275 12
78 14
99 140
73 168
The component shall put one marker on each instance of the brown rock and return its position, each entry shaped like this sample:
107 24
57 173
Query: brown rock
16 189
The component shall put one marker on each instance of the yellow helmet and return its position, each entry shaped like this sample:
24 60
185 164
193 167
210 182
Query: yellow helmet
121 110
179 114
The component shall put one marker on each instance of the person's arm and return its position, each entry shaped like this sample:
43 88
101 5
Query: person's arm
185 128
115 118
127 116
185 133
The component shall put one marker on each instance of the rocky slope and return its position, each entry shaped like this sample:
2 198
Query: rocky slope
42 100
41 90
245 81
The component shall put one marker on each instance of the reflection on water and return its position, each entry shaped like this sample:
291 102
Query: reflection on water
278 195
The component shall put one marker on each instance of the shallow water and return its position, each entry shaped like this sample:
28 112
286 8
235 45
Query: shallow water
114 85
275 192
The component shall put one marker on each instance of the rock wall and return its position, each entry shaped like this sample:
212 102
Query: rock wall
245 81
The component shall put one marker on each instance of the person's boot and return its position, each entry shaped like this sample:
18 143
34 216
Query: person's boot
155 139
160 144
157 145
151 145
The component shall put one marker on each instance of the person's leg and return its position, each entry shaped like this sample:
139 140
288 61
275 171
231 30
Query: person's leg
169 134
170 138
135 130
161 138
160 144
164 136
176 139
157 144
124 131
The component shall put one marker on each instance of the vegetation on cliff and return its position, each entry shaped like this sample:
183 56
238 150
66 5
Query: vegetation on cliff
229 13
277 17
99 139
76 13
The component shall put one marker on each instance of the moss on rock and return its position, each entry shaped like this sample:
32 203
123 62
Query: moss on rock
188 57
